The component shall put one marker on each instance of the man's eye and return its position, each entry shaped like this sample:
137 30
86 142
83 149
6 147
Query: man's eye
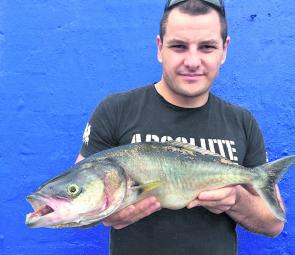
178 46
208 47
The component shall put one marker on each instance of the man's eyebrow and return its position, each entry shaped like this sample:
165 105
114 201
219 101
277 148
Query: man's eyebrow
211 42
178 41
175 41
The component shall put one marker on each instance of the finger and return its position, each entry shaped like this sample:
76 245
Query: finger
223 205
215 211
144 210
193 204
120 226
132 213
210 204
119 217
126 214
213 207
140 212
218 194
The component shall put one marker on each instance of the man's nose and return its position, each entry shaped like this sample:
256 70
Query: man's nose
192 59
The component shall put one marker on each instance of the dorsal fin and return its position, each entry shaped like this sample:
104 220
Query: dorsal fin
195 149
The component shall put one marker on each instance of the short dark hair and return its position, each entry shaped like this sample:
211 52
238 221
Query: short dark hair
194 7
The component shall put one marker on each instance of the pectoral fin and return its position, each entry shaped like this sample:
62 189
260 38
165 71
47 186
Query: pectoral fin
145 187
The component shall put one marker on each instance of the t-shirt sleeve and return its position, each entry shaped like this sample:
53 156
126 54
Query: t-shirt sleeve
100 131
255 154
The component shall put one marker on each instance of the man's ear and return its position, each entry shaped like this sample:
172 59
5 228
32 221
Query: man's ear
225 47
159 47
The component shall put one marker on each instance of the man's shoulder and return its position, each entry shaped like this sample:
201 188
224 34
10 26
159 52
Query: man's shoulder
127 100
229 107
126 96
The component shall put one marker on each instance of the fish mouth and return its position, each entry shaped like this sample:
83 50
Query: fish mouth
56 212
43 210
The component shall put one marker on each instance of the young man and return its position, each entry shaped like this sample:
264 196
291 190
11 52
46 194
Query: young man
192 45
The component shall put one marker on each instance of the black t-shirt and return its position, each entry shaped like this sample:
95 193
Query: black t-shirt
142 115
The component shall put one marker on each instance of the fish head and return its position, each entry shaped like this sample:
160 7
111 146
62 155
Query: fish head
82 196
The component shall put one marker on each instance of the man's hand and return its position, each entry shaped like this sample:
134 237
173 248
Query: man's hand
132 213
217 201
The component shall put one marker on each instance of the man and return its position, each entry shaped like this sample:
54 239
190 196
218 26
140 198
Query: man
192 45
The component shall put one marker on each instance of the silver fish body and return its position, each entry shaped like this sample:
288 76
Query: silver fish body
173 172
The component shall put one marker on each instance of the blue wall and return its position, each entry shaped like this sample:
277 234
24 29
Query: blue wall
59 58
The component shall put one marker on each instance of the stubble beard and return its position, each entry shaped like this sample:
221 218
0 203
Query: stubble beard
177 90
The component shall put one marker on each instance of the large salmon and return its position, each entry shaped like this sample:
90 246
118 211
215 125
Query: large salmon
173 172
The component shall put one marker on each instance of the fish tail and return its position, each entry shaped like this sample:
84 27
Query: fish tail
275 171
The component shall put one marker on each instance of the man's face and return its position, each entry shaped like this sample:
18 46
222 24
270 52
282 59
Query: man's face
191 53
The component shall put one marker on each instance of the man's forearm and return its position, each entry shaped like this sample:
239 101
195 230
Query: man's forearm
251 212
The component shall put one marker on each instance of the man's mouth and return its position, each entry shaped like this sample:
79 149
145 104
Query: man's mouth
191 74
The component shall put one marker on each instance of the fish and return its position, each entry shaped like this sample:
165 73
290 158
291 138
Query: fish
173 172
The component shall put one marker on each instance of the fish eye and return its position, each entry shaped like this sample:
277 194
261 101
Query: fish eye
73 190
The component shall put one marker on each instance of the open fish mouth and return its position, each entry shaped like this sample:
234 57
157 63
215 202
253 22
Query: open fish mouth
56 212
43 210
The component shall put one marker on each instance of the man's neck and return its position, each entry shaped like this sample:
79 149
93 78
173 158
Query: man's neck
178 100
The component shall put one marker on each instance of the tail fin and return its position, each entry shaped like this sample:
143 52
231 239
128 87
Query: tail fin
275 170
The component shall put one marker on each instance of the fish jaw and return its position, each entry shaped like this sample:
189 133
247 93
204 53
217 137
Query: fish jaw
45 211
54 212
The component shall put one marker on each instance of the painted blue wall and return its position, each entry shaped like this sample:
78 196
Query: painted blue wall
59 58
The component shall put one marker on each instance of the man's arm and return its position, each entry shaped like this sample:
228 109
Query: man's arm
243 206
131 213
